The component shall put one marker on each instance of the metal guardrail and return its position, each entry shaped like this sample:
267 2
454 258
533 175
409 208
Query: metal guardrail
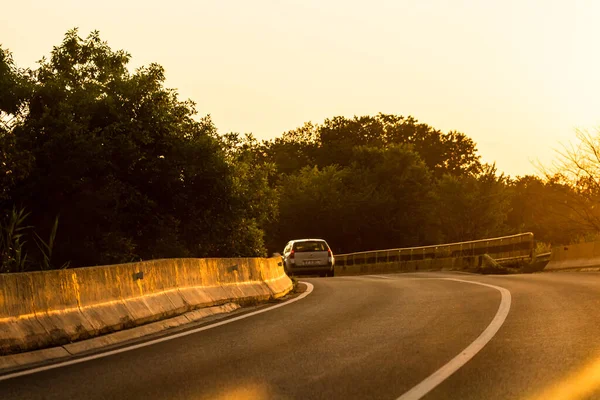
513 246
543 256
512 260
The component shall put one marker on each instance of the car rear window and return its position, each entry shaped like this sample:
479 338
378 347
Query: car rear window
301 247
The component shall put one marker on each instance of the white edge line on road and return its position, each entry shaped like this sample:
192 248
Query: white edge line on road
378 276
309 289
433 380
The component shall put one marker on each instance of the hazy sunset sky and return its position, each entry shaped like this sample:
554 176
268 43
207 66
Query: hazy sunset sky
516 76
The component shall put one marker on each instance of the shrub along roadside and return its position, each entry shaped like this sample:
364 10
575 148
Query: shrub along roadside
14 237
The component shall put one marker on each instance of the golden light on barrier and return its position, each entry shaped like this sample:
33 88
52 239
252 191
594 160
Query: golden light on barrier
247 391
578 385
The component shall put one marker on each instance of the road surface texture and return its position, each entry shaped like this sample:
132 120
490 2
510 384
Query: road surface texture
367 337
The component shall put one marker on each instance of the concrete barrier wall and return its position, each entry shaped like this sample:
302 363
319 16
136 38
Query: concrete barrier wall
577 256
50 308
453 256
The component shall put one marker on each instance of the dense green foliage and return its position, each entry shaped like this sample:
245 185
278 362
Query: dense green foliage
379 200
110 166
123 162
333 143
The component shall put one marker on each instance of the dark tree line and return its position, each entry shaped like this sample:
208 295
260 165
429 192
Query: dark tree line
99 165
382 181
121 161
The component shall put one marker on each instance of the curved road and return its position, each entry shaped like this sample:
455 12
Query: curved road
368 337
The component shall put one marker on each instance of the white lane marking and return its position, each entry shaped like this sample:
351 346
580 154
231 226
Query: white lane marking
417 272
309 289
433 380
379 276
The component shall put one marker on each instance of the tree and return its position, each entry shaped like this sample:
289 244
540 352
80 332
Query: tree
471 207
452 153
15 88
396 198
333 142
313 204
545 207
577 172
370 179
125 163
380 201
256 197
294 150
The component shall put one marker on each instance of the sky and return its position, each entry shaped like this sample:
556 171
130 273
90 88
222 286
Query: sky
517 76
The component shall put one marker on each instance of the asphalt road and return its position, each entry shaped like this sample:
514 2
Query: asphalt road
367 337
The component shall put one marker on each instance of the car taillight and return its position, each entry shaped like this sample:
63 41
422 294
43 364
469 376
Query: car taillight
329 253
292 254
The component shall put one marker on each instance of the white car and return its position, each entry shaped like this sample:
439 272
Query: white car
308 257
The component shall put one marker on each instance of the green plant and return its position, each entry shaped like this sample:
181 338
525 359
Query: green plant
542 247
47 247
13 258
